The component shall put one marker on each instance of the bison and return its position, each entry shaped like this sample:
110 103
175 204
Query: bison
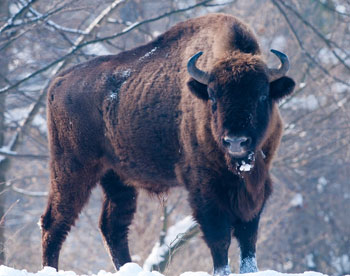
150 119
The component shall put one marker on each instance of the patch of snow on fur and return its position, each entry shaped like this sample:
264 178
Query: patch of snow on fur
149 53
126 73
113 96
248 264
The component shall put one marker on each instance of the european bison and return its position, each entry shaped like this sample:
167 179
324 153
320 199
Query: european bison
150 118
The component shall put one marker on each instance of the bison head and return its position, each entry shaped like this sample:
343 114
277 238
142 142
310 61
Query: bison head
240 91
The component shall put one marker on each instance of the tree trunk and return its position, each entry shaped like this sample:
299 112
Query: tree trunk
4 12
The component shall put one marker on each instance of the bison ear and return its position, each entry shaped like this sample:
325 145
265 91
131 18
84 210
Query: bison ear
281 88
198 89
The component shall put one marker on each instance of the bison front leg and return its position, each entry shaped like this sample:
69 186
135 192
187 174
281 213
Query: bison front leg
246 234
118 210
216 231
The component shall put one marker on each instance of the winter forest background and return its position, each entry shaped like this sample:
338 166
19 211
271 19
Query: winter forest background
306 223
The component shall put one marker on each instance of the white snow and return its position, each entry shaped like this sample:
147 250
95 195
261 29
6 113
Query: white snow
7 150
310 261
132 269
18 115
113 96
248 264
245 167
279 42
327 57
339 87
156 33
14 8
340 8
297 200
97 49
148 54
341 263
310 102
174 232
302 85
321 184
126 73
123 74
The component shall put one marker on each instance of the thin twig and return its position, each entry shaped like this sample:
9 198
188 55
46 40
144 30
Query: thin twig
6 213
29 193
17 155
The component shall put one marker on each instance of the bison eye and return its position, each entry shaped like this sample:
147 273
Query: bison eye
213 103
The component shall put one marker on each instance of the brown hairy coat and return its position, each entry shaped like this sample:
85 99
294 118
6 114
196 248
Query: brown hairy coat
137 120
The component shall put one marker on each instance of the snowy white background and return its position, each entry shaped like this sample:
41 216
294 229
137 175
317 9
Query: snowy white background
132 269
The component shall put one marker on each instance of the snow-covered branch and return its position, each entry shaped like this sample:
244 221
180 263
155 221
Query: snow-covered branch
176 236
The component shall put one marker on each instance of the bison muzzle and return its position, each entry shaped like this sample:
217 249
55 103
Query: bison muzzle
196 107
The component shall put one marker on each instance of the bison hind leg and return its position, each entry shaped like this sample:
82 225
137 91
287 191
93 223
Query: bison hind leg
117 213
69 193
55 224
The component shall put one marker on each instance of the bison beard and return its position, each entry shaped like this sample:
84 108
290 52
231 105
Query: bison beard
141 120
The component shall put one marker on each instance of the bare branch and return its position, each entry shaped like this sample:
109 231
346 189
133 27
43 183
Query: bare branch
301 45
13 154
328 42
79 44
10 22
29 193
15 141
2 220
53 24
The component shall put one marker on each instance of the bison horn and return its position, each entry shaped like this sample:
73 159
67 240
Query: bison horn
198 75
275 74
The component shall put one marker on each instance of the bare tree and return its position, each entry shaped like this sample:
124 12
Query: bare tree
306 223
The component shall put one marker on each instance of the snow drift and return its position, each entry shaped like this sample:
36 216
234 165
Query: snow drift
132 269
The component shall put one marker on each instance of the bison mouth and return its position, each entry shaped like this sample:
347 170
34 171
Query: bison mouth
242 163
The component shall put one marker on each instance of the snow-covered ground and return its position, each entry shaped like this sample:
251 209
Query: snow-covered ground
132 269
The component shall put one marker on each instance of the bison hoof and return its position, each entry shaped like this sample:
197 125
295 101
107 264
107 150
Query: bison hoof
222 271
248 265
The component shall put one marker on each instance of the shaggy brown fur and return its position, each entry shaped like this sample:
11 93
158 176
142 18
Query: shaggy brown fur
137 120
